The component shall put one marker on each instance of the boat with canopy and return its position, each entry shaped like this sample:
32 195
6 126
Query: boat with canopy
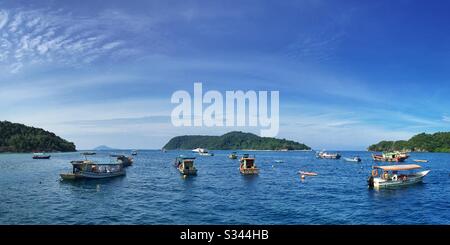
185 165
247 165
395 175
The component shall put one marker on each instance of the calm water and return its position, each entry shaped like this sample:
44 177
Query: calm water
153 192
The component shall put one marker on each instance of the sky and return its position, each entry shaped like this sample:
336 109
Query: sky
349 73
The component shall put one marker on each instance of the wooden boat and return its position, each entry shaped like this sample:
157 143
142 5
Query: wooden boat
422 161
41 156
247 165
124 160
390 176
395 156
307 173
186 165
353 159
326 155
233 155
91 170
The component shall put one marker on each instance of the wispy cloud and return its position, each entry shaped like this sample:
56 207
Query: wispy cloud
30 37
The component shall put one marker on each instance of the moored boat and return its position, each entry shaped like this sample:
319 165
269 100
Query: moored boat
41 155
92 170
203 152
326 155
247 165
124 160
390 176
353 159
233 155
134 152
185 165
88 153
394 156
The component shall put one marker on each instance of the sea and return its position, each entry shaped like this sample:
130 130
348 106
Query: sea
154 192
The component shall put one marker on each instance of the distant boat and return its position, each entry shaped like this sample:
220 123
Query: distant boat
395 156
389 176
122 159
91 170
134 153
233 155
279 161
186 165
248 166
307 173
418 160
203 152
353 159
41 155
88 153
326 155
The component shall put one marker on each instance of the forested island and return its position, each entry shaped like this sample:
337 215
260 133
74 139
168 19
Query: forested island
438 142
15 137
233 141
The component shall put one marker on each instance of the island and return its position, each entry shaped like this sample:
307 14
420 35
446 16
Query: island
15 137
235 140
437 142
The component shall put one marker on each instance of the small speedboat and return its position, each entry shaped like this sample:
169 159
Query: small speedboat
279 161
422 161
186 165
203 152
41 156
247 165
392 176
307 173
353 159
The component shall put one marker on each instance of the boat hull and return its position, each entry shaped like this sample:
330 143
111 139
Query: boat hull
41 157
249 171
417 178
188 171
89 175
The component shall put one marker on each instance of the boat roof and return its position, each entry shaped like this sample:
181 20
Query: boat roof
398 167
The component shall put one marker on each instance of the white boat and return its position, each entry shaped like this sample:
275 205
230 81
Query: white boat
203 152
353 159
326 155
390 176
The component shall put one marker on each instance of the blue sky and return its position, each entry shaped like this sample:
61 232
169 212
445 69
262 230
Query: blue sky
350 73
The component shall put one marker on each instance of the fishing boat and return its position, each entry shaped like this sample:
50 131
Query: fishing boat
307 173
124 160
87 169
422 161
185 165
41 155
353 159
326 155
134 153
391 176
247 165
394 156
233 155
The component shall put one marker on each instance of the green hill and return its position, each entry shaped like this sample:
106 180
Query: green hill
438 142
15 137
233 141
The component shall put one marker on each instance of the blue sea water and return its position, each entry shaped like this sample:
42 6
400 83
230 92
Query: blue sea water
153 192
